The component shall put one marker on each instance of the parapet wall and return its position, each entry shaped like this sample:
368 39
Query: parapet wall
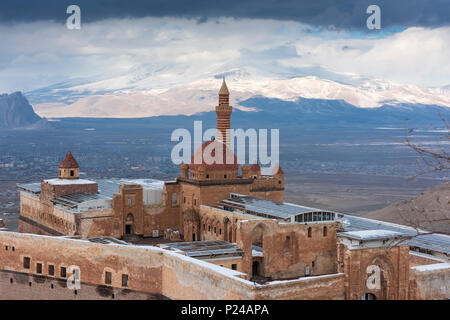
150 270
430 281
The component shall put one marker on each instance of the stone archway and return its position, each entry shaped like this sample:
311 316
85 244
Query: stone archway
257 246
380 280
369 296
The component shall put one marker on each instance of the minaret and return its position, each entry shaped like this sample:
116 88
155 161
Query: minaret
223 111
69 168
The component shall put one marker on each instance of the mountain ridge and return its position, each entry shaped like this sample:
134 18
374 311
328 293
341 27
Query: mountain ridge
430 210
16 112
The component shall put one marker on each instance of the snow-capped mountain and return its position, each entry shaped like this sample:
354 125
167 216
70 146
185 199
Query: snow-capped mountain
153 91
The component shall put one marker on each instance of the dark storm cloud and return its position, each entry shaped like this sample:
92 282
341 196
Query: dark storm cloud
339 13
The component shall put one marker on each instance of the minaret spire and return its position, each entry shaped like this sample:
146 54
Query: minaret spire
223 111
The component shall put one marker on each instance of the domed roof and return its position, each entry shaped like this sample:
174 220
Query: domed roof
68 162
222 164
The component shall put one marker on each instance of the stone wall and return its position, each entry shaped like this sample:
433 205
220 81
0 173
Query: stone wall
393 266
430 282
152 273
46 215
419 259
287 249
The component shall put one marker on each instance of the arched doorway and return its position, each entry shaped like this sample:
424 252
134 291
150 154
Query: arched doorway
255 268
129 224
368 296
257 249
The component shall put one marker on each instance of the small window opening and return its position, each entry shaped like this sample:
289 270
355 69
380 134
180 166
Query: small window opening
108 277
26 263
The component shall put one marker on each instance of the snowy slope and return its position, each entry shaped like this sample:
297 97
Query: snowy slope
170 92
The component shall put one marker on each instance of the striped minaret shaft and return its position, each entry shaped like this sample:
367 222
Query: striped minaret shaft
223 111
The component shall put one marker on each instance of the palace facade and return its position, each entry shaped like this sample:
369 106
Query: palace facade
218 231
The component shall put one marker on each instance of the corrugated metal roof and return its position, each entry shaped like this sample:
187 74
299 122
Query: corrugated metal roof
106 187
275 209
34 187
206 249
368 235
435 241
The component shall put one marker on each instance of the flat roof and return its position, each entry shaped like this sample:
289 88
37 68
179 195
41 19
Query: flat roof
283 210
205 249
34 187
68 181
106 189
370 235
434 241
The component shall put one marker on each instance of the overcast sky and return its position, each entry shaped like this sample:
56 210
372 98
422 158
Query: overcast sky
188 37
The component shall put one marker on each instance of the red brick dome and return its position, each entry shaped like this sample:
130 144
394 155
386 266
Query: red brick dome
222 164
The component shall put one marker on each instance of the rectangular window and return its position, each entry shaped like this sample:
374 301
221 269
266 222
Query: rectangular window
63 272
234 266
26 263
51 270
124 280
108 277
130 202
38 267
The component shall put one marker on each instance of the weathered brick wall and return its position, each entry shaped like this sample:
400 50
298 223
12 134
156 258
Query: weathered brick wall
29 226
46 215
287 249
96 223
416 259
143 266
430 282
224 222
164 216
49 191
151 271
393 263
18 286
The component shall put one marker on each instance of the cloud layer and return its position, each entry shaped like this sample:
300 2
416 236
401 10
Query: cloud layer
326 13
157 53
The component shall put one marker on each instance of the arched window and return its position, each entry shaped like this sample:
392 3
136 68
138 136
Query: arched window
309 232
257 236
